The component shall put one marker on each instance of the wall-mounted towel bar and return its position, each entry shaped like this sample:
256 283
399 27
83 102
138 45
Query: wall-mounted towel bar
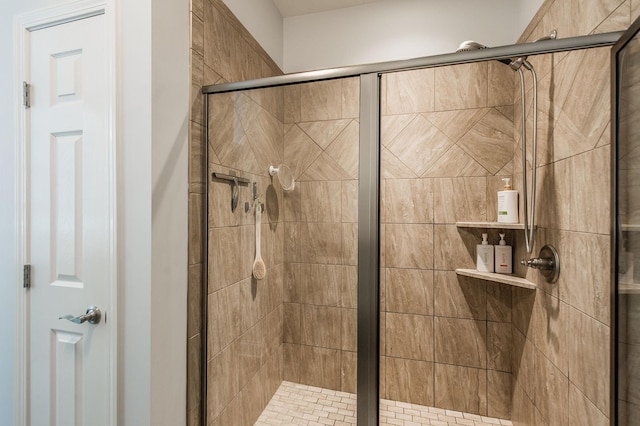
235 180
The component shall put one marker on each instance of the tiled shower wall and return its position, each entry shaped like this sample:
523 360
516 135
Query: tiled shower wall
561 331
320 250
244 316
447 140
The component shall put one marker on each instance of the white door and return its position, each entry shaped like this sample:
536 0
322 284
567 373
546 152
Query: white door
69 225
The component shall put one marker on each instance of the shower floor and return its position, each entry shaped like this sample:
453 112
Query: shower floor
295 404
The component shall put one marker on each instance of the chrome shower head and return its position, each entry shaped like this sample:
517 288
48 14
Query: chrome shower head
470 45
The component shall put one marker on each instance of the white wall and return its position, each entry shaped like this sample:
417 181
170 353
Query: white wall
399 29
153 90
263 20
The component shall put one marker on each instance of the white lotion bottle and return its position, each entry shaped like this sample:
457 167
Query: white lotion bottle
507 203
484 255
504 257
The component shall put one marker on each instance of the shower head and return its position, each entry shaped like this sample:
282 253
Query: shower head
469 45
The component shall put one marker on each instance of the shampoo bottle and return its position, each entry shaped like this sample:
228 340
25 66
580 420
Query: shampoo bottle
507 203
484 256
504 257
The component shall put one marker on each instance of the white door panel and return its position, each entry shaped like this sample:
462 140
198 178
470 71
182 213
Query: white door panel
69 224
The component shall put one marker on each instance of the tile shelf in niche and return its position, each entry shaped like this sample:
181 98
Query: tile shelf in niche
497 278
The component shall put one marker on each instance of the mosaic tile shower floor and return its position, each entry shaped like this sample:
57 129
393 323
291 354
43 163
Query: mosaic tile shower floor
295 404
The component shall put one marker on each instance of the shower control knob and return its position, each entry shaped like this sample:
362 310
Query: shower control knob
548 262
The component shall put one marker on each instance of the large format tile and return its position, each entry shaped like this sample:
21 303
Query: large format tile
460 342
552 391
589 358
461 86
409 91
409 381
409 336
321 100
459 200
409 246
321 326
459 297
409 291
471 398
407 201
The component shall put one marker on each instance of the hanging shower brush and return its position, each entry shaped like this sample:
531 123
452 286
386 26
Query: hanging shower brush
259 268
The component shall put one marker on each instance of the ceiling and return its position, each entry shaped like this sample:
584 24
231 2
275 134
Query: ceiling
302 7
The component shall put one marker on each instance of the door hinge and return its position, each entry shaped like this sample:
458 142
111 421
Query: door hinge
26 276
26 94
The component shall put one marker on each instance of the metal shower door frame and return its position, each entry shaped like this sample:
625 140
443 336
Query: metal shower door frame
368 317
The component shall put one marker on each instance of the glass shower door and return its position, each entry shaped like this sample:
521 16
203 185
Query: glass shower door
627 220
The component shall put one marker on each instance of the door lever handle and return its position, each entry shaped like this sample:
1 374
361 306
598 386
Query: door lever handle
92 316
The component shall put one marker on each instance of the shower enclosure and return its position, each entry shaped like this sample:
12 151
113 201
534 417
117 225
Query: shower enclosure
370 287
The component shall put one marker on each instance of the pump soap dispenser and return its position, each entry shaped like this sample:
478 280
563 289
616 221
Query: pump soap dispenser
484 255
507 203
504 257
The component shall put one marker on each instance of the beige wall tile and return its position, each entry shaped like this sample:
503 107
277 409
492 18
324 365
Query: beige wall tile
409 291
320 201
501 84
457 122
455 248
408 91
392 167
224 318
471 398
499 394
349 334
222 380
392 125
522 409
583 412
460 200
320 367
320 284
587 283
409 336
590 191
461 86
460 342
344 150
299 151
320 242
455 162
320 326
499 346
349 287
409 246
490 141
523 365
499 302
292 103
551 323
407 201
349 201
350 97
324 132
589 358
419 145
292 319
409 381
552 391
291 361
348 379
321 100
459 297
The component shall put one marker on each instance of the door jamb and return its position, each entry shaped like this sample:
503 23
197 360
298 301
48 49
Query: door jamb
23 24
